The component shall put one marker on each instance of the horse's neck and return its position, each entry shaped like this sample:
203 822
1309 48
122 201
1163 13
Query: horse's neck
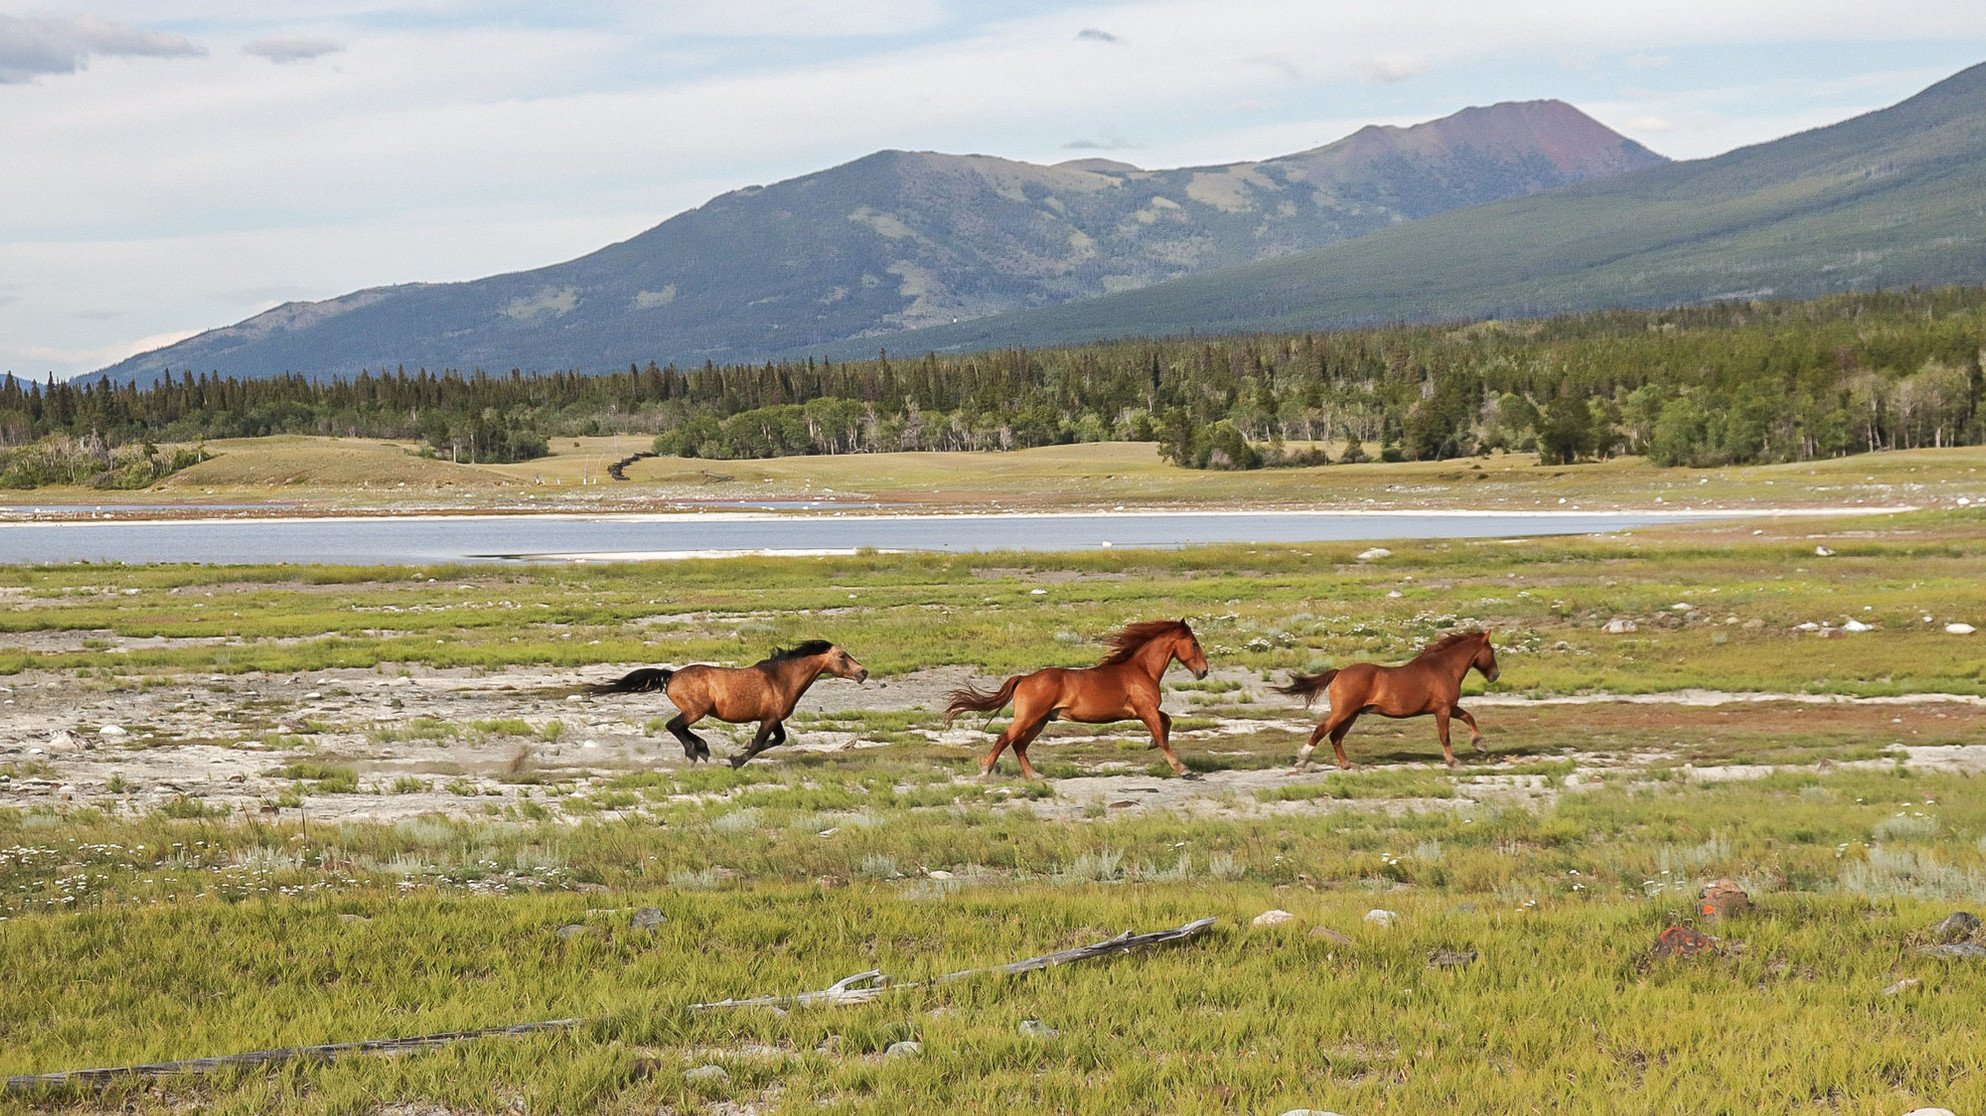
1153 658
1457 660
795 675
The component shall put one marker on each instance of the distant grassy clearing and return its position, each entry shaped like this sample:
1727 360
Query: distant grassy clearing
334 473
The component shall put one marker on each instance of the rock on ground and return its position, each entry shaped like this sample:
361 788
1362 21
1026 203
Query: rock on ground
1957 926
1274 917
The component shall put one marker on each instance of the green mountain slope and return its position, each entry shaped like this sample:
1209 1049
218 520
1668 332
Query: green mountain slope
1889 199
902 240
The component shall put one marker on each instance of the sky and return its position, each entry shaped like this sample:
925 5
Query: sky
170 166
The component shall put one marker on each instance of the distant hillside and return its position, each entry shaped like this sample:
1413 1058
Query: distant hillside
1890 199
903 240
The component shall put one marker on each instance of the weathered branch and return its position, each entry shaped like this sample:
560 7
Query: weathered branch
857 989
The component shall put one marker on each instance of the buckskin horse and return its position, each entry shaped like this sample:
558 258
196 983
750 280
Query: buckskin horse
1122 686
764 692
1431 683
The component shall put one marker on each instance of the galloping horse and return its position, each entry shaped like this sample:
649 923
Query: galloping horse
1431 683
764 692
1123 685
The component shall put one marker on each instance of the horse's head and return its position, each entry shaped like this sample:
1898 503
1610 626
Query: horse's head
843 665
1186 648
1485 659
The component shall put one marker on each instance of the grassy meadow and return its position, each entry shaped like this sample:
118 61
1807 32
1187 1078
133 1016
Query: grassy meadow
131 932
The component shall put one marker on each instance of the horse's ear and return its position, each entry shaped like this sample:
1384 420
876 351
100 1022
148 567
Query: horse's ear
1486 635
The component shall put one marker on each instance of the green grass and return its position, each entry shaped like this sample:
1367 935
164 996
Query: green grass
374 930
1265 608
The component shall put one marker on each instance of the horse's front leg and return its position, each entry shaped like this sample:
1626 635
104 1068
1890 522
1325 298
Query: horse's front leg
769 734
1160 727
1475 734
1441 726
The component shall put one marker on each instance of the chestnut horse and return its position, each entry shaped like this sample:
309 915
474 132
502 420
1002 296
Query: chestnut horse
1431 683
764 692
1123 685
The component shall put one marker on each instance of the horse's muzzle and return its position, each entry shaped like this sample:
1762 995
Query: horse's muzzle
1201 673
862 676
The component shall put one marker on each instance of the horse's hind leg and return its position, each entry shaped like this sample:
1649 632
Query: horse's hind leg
1018 732
1475 734
693 745
1021 742
1303 753
1337 732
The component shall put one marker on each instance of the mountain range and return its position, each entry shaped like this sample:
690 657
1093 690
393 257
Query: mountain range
902 240
1893 198
1514 210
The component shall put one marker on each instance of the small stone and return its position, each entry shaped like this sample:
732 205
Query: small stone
65 741
938 874
1332 936
1451 958
573 930
1381 917
1956 927
1374 554
1308 1112
706 1075
1035 1028
1275 917
1960 629
113 731
1723 898
648 918
1930 1112
1682 941
1122 803
1823 552
905 1049
1902 986
1620 625
1957 951
1037 592
1857 626
829 883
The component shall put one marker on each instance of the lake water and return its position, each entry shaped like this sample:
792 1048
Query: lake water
420 540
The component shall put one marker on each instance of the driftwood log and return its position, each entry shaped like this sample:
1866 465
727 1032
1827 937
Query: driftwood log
857 989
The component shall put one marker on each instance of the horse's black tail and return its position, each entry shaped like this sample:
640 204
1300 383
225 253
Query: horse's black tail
635 682
1307 686
965 699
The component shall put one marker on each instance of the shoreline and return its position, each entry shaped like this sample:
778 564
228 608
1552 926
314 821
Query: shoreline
1676 514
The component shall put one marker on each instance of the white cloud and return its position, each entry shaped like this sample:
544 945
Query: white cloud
42 46
1393 66
419 156
291 48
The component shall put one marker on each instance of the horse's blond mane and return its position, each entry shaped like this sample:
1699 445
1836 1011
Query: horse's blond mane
1127 641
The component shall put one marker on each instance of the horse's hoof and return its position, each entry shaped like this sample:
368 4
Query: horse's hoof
736 762
1192 775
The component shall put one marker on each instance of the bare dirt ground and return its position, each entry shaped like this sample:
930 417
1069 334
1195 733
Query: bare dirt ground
471 743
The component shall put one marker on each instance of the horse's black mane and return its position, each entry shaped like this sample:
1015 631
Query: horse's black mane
1450 640
799 650
1128 640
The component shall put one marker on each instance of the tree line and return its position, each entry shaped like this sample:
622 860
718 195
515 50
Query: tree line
1726 383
